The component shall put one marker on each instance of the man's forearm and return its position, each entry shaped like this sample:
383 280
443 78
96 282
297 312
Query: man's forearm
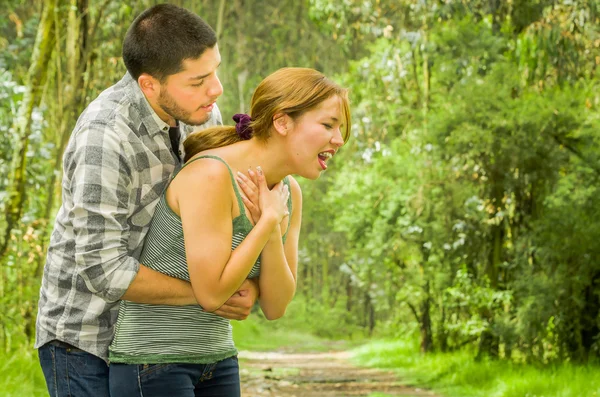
152 287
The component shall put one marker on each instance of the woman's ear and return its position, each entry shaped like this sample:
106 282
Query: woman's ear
282 122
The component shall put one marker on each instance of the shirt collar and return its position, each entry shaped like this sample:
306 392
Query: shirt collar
154 124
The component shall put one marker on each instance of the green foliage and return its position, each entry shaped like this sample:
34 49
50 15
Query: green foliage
299 330
456 374
17 35
463 209
21 374
11 94
466 206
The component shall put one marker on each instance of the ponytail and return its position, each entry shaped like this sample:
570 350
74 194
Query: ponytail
210 138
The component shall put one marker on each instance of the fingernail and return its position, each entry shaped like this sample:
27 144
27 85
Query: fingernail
240 174
260 171
240 180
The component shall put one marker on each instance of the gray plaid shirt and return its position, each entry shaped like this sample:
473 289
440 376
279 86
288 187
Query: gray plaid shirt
116 165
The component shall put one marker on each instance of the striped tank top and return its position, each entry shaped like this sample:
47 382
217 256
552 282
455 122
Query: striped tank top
153 334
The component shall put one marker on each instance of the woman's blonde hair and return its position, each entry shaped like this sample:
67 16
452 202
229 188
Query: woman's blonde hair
290 91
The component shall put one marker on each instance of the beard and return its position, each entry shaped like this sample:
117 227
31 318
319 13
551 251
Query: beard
170 107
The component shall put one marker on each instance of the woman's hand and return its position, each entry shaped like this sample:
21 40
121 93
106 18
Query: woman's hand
249 186
272 202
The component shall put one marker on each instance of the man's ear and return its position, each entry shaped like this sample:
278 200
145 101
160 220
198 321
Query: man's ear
149 86
282 122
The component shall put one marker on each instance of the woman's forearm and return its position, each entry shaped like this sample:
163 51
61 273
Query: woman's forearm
276 282
212 295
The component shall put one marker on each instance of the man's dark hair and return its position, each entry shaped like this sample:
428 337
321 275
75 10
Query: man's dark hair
161 37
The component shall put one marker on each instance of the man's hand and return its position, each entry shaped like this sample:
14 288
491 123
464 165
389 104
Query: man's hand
240 304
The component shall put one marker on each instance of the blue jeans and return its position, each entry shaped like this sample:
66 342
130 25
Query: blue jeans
72 372
220 379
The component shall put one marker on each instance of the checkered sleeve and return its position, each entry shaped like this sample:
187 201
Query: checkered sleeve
100 184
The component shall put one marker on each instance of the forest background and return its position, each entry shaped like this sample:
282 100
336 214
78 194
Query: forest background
462 214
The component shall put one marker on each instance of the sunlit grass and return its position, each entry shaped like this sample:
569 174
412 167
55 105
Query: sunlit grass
451 375
21 374
305 327
458 374
258 334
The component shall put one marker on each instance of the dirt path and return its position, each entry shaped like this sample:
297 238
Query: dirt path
316 374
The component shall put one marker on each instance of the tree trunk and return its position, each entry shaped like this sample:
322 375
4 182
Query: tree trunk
589 317
425 321
36 78
442 335
349 294
489 344
325 280
219 29
69 96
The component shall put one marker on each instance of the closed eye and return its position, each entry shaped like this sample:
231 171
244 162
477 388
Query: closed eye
198 84
328 126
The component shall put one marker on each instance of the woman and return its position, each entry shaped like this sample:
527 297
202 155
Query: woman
201 232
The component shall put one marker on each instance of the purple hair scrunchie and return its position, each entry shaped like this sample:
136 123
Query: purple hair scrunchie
242 125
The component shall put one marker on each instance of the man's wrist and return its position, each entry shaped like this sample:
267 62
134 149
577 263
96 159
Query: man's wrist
254 282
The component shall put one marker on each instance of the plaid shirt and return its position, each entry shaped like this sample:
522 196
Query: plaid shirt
116 165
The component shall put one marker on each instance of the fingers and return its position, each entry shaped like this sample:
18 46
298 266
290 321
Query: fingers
232 313
250 195
276 198
248 185
254 211
239 306
253 176
261 180
249 204
285 191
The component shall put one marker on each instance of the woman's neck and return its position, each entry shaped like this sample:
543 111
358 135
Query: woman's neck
250 154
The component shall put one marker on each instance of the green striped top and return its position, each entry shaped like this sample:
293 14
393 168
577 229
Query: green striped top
152 334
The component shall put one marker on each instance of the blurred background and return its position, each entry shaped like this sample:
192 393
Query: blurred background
461 220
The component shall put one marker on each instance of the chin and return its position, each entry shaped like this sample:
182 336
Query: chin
198 120
312 176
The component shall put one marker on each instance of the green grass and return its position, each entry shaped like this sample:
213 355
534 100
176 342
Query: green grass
458 374
451 375
21 374
258 334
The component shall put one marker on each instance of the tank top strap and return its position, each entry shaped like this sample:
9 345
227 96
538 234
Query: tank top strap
233 182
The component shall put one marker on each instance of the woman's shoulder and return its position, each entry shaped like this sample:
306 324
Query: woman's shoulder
204 169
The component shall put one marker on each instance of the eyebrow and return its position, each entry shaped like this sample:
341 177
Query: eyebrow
203 75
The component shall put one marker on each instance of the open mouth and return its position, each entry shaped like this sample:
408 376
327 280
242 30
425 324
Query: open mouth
323 157
208 107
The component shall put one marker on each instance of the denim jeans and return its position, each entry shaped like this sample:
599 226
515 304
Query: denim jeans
220 379
71 372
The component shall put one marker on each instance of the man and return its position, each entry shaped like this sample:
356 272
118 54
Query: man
123 151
